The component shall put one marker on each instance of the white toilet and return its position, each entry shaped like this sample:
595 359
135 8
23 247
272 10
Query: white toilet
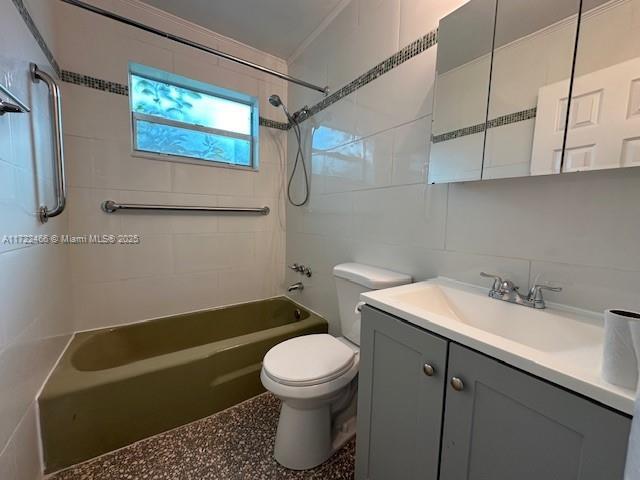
315 376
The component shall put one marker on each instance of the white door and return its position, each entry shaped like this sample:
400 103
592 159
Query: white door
604 122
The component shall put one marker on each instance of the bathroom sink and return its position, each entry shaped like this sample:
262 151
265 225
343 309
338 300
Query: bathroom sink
560 344
550 330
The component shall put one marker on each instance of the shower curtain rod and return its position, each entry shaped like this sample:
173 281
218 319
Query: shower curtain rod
204 48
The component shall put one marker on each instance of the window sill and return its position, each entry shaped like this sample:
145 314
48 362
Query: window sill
189 160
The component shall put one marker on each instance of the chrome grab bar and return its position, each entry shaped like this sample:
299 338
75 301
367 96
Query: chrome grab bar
16 107
56 108
109 206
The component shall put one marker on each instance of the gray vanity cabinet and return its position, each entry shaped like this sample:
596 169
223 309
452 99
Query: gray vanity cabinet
473 417
505 424
400 394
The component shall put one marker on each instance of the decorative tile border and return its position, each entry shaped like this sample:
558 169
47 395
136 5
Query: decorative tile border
121 89
265 122
26 17
481 127
515 117
414 48
461 132
93 82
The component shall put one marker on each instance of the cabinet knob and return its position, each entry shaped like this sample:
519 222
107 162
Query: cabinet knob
428 370
457 384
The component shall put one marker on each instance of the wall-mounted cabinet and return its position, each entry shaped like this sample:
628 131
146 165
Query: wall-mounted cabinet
463 75
544 87
432 409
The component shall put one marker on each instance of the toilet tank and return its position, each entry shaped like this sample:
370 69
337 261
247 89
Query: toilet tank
352 279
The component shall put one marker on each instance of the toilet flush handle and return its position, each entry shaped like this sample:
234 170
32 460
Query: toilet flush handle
359 306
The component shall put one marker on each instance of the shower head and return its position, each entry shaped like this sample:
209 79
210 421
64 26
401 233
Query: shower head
275 100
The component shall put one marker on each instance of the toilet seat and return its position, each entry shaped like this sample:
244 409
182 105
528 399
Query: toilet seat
308 360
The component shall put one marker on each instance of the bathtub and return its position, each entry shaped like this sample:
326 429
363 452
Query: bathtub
118 385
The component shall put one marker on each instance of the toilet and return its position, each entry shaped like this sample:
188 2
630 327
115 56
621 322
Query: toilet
315 376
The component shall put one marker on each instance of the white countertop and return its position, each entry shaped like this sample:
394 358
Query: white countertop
572 365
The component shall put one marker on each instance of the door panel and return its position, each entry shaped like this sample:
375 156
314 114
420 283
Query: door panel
399 405
505 424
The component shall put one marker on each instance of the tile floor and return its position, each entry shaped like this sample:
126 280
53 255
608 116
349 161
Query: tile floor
235 444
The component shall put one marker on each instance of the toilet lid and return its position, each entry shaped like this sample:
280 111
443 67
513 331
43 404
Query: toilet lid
308 360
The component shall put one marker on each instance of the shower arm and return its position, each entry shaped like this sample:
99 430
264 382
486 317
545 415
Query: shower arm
199 46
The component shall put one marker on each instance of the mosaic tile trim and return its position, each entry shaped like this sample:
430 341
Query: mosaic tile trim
461 132
265 122
26 17
95 83
121 89
414 48
513 118
407 53
481 127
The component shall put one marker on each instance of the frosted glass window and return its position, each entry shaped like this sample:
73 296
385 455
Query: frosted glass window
170 140
184 119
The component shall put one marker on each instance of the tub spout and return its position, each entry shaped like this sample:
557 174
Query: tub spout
296 286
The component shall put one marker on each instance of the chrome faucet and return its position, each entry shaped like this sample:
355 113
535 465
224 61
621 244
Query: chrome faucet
507 291
302 269
296 286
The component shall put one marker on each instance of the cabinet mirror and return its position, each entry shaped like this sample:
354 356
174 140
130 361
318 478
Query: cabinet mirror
502 103
532 61
604 120
463 68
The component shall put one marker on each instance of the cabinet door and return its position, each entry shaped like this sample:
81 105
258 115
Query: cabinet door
506 425
400 400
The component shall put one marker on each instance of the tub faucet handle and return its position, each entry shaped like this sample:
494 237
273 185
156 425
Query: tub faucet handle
302 269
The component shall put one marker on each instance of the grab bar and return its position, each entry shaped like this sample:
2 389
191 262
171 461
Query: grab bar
56 108
109 206
16 107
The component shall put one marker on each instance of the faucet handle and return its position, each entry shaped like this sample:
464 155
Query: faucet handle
535 293
497 281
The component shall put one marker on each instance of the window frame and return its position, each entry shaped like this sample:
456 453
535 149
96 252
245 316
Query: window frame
199 87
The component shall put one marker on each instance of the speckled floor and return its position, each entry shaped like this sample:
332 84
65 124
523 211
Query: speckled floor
234 444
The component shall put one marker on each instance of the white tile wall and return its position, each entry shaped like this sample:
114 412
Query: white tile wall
369 200
578 230
34 279
185 261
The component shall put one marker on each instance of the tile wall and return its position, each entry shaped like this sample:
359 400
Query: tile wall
370 202
185 262
35 321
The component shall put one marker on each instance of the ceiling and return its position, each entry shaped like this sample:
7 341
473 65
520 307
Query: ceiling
273 26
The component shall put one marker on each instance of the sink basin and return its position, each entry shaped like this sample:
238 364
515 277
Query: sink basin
560 344
549 330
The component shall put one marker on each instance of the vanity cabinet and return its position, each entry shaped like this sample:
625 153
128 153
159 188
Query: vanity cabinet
474 417
401 388
505 424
